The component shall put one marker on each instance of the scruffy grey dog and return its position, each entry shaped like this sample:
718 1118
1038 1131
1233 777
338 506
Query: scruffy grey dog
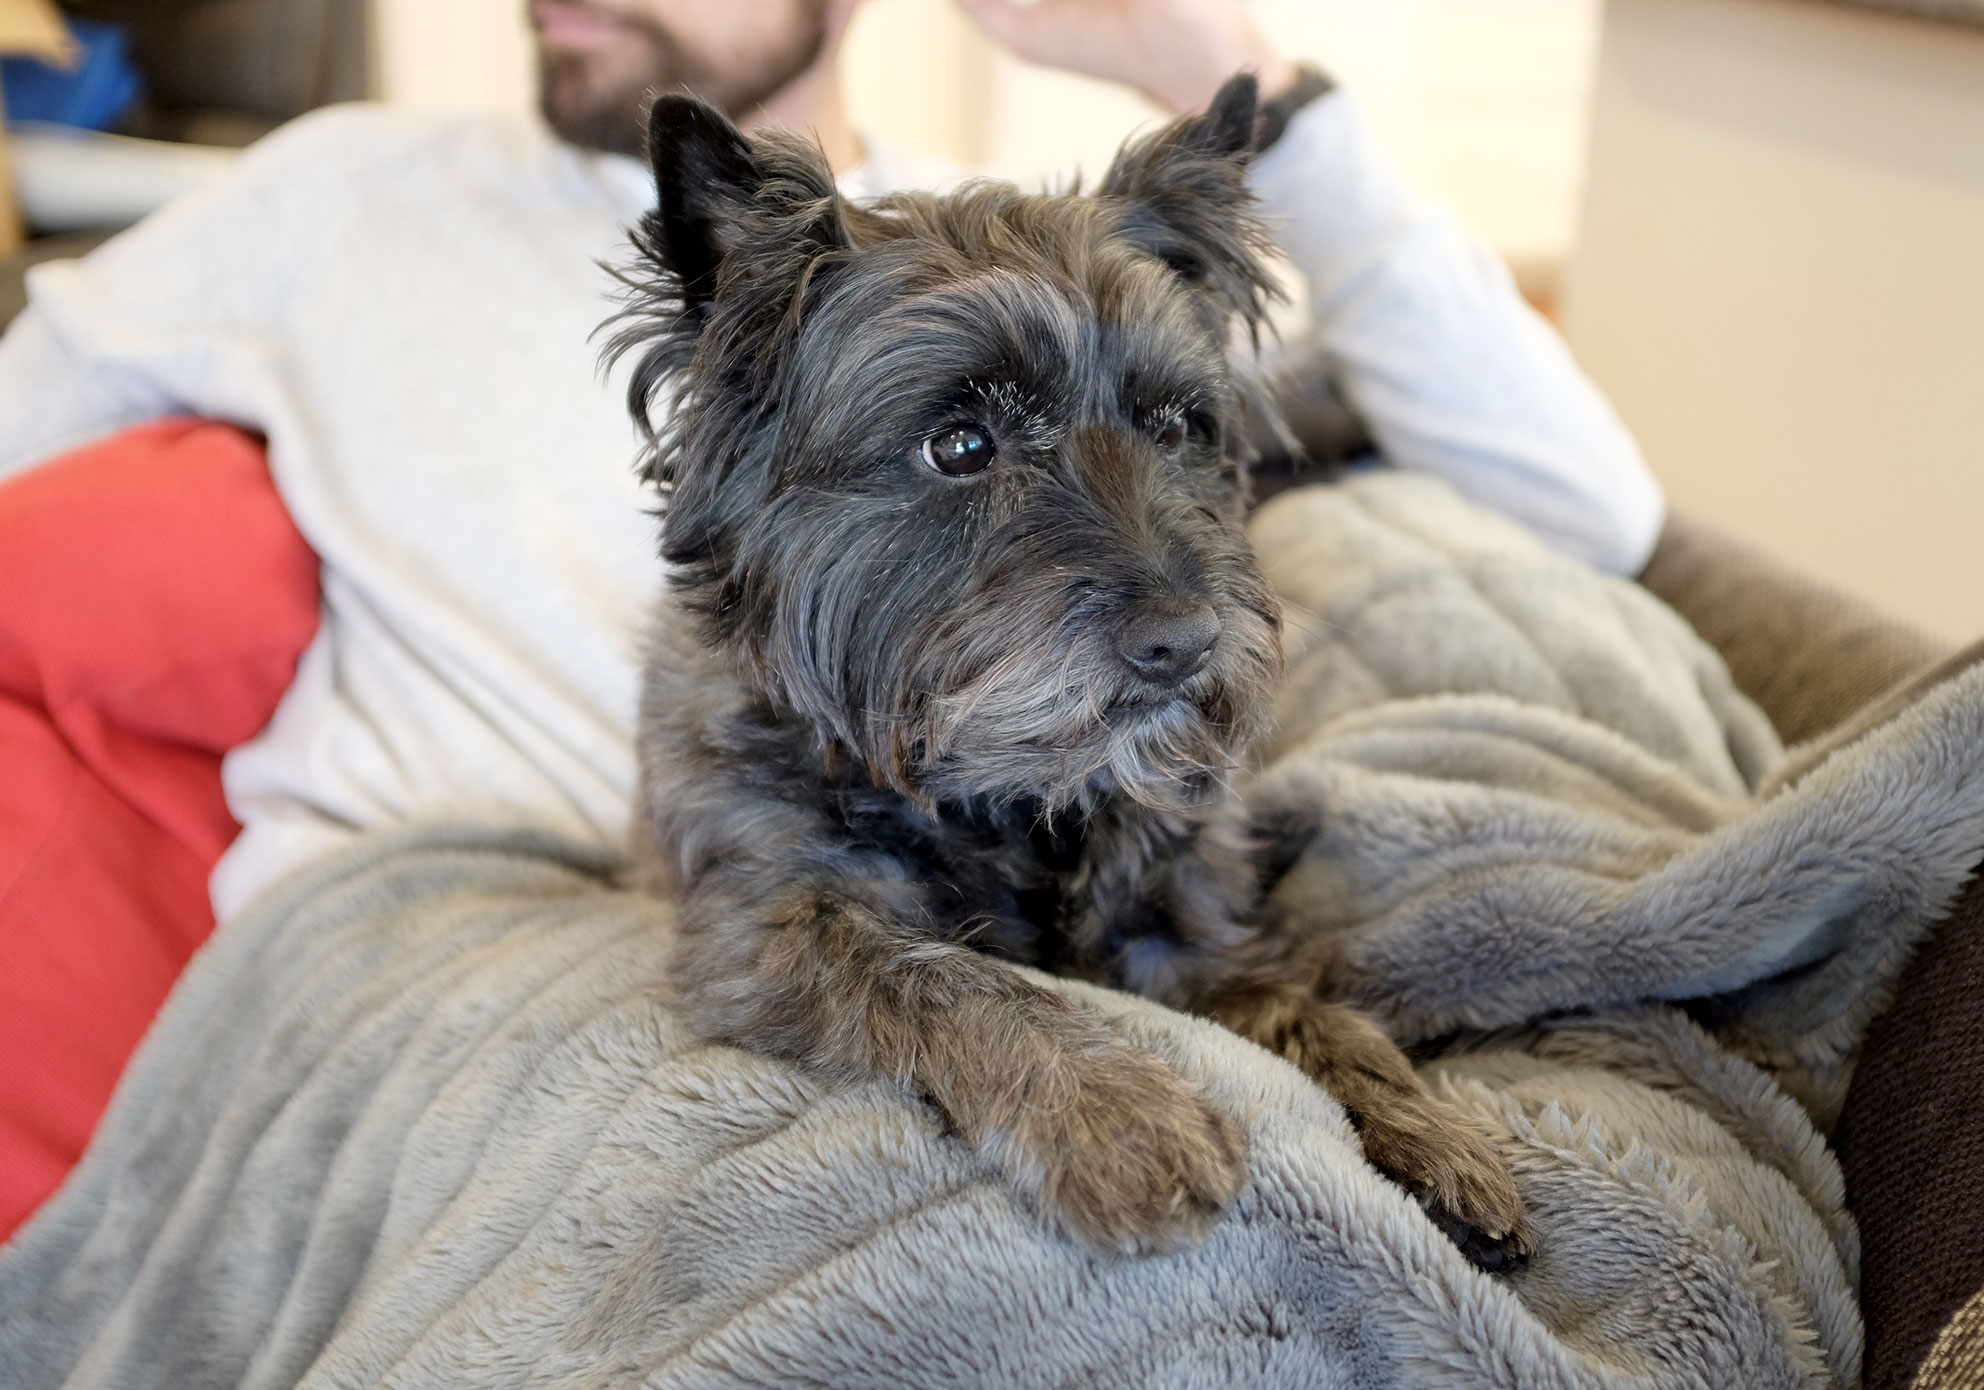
961 645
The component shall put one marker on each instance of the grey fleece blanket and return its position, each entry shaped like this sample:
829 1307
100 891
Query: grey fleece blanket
420 1118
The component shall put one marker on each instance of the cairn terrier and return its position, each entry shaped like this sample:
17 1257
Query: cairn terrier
962 643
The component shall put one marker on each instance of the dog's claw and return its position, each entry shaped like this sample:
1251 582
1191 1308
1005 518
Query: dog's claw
1492 1254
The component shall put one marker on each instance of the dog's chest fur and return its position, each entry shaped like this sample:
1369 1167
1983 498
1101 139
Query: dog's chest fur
1091 894
1062 892
1007 879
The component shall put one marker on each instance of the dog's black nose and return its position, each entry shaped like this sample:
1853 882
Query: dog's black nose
1166 640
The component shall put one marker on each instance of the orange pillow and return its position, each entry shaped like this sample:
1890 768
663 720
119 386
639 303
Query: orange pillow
154 601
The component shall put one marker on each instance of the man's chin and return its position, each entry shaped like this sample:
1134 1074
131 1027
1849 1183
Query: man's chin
613 124
597 71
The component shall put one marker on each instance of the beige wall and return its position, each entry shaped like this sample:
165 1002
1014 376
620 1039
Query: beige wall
1482 102
453 55
1780 282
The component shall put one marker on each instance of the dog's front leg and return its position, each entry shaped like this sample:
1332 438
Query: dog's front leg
1414 1139
1111 1145
1217 958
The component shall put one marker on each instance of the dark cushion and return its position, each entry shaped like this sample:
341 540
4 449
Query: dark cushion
1911 1141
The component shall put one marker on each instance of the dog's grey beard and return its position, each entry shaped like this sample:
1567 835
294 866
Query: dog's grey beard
614 118
1005 684
1069 733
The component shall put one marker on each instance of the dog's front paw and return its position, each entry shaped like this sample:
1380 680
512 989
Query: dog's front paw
1459 1177
1422 1144
1121 1154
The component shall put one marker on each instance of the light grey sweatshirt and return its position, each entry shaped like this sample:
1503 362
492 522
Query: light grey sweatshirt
403 305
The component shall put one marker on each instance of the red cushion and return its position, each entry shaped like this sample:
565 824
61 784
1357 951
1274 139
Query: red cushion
154 601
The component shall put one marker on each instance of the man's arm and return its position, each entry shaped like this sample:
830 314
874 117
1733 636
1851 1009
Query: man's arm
52 400
1452 372
177 314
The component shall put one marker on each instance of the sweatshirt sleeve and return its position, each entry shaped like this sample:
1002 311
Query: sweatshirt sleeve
53 400
181 313
1452 372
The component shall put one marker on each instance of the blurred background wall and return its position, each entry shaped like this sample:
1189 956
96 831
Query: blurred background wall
1779 279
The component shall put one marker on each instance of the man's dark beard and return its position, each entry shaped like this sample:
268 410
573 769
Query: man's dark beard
615 119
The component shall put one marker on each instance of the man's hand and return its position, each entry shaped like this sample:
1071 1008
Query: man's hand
1176 52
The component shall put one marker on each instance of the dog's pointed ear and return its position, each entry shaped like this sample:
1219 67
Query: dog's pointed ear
1186 201
1226 127
705 174
719 193
739 227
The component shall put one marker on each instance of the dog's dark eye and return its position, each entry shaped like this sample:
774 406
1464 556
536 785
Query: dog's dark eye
1171 433
959 451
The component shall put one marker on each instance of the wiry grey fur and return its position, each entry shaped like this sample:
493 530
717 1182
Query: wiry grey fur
901 729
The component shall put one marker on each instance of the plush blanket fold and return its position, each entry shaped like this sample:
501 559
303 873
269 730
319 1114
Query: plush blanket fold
1525 788
422 1116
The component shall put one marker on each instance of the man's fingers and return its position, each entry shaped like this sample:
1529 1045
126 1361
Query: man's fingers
1176 52
1083 36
